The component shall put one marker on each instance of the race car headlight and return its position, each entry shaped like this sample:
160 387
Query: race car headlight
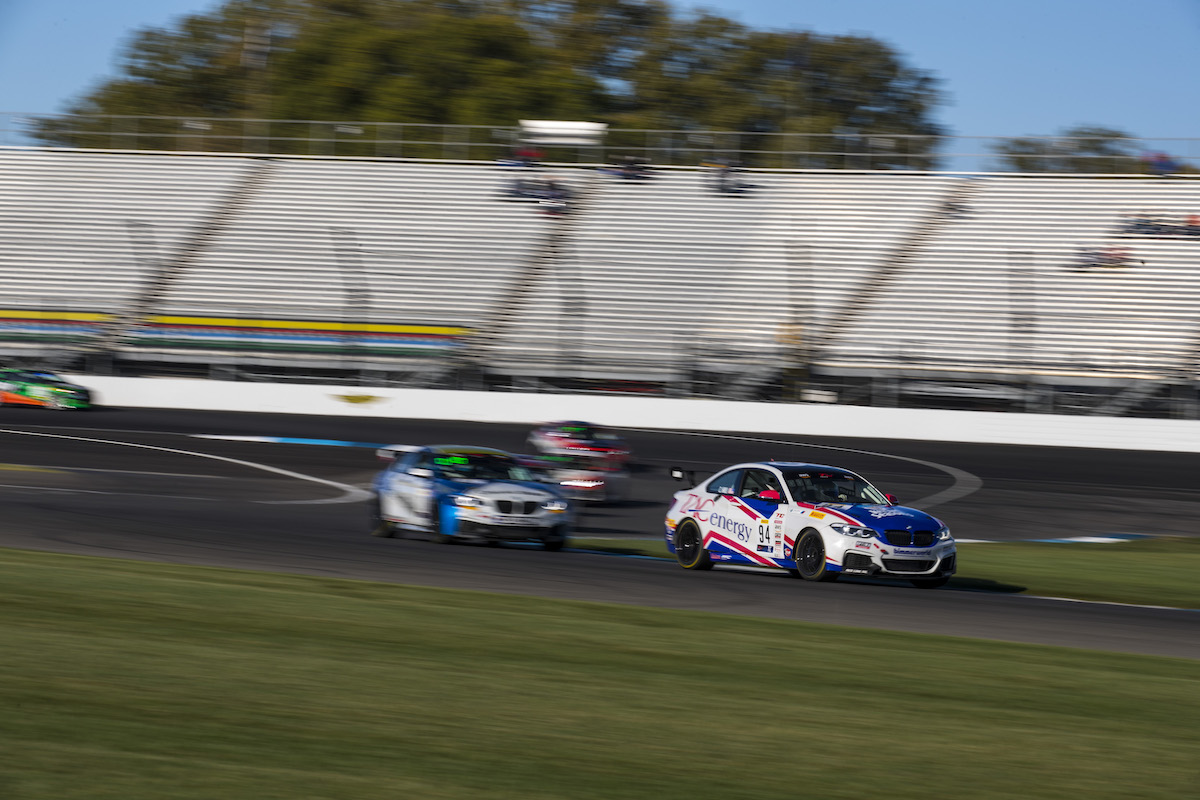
554 506
583 484
853 530
943 534
466 501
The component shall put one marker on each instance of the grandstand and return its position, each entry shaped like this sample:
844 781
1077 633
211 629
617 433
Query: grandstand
404 267
81 233
1014 283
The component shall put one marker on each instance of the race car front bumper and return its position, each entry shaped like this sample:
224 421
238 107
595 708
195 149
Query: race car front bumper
504 532
858 563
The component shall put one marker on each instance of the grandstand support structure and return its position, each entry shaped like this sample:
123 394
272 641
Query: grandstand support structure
207 230
1181 387
955 198
357 292
485 352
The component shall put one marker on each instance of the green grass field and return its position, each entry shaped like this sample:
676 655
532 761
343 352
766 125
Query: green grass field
1159 572
131 681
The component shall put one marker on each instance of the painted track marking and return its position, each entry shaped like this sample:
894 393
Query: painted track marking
350 494
964 484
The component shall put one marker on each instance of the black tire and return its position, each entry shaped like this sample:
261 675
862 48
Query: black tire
930 583
689 547
435 526
379 525
555 541
809 555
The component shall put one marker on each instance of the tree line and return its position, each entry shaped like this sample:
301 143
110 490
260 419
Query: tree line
634 64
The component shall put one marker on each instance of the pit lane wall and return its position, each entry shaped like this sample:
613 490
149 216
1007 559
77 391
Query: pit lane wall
803 419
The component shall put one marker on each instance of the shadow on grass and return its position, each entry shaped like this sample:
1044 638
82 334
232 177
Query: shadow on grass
984 585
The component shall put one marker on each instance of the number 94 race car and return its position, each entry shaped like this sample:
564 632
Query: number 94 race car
817 522
452 493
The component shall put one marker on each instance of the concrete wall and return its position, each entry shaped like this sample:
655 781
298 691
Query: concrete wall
644 412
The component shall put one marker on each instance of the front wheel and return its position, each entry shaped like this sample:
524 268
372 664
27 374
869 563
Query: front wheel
555 541
809 555
435 527
689 548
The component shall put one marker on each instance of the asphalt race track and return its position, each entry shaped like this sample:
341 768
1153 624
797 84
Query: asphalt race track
135 483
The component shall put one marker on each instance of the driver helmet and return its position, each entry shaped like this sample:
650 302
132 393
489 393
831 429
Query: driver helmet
769 494
826 487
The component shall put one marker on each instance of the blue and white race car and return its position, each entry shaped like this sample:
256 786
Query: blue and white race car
453 493
816 521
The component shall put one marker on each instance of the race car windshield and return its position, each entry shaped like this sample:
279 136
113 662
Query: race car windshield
809 486
483 466
584 463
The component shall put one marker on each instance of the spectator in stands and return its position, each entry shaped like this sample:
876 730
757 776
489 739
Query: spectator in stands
1085 259
556 198
724 177
1110 257
631 168
1160 164
1140 224
1191 226
1115 257
528 156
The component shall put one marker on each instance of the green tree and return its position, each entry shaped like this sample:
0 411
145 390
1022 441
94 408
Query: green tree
631 63
1082 149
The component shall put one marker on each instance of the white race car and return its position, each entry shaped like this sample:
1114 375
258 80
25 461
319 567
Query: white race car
816 521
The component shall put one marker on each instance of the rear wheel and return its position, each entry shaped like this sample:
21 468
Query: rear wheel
379 525
689 547
809 555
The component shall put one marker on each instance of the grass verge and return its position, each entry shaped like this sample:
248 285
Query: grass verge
1144 571
132 680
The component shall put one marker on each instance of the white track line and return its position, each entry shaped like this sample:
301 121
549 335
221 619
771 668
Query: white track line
964 482
350 494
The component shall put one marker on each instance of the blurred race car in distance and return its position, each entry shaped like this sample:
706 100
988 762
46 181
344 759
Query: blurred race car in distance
452 493
586 478
22 387
578 438
816 521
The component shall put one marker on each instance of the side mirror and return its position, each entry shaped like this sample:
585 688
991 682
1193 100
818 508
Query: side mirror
421 472
683 475
892 499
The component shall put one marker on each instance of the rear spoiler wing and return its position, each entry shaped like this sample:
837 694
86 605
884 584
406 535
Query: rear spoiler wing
390 452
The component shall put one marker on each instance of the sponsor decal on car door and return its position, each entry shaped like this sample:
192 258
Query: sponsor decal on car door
412 497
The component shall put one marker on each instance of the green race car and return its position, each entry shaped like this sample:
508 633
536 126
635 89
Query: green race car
20 387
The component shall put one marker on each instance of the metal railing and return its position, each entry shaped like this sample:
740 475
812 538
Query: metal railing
486 142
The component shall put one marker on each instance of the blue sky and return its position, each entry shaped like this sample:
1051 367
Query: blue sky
1008 68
